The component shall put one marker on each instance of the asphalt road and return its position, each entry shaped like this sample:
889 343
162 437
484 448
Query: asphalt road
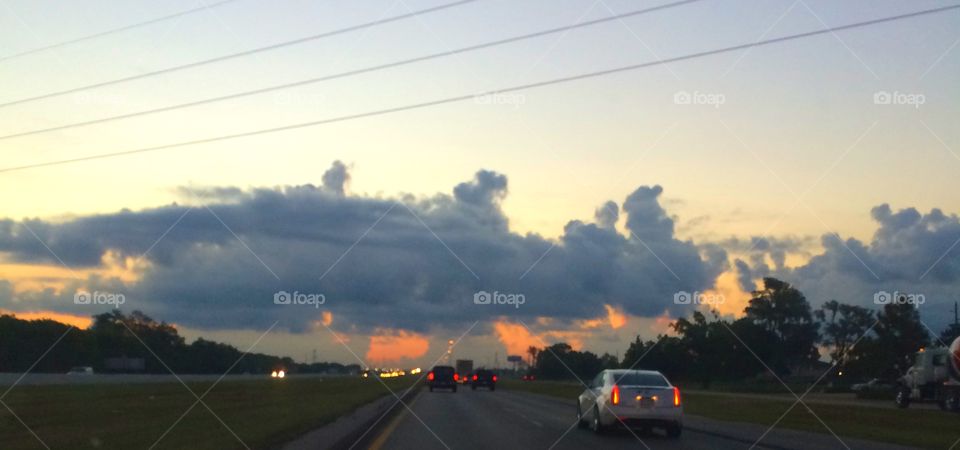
504 419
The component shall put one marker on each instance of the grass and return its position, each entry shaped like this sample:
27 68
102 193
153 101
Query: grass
122 416
912 427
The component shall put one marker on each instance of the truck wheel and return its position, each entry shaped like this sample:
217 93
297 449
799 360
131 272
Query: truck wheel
903 398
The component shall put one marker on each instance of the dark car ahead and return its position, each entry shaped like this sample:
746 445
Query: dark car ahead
484 378
442 377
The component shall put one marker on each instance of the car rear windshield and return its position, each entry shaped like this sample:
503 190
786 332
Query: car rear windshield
443 370
640 379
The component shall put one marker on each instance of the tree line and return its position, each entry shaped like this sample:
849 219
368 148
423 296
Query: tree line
133 336
779 333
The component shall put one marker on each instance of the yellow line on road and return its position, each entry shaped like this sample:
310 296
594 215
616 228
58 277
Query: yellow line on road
391 427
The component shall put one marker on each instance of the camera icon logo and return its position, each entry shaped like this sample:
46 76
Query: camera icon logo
882 98
882 298
682 98
282 298
682 298
82 298
482 298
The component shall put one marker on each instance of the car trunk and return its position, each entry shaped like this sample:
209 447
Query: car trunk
646 397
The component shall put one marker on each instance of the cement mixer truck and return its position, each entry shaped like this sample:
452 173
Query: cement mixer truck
935 377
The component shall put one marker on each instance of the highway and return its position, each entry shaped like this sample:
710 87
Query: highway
503 419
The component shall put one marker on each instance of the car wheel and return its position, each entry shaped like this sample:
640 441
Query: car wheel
580 422
595 424
431 388
674 430
454 389
473 387
493 387
903 398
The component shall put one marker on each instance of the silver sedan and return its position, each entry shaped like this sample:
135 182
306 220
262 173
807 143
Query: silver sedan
631 398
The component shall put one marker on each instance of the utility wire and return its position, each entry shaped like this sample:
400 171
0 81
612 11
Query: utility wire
114 30
240 54
347 73
487 93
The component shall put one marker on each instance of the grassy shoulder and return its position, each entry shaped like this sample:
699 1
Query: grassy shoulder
121 416
913 427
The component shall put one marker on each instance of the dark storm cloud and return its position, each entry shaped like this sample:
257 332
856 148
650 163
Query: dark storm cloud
406 262
744 275
909 252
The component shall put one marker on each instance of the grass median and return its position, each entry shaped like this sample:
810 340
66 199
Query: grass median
924 428
263 413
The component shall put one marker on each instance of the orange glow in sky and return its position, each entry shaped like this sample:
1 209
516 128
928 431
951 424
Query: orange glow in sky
396 345
81 322
515 337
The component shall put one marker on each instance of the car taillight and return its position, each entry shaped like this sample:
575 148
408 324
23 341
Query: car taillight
494 378
615 395
474 378
676 396
430 376
456 377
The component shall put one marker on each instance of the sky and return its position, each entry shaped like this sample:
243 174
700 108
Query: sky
596 199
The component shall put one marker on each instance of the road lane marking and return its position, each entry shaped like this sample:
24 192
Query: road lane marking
391 427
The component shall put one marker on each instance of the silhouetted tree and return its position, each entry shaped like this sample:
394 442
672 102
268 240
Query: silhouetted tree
843 327
559 361
783 311
900 334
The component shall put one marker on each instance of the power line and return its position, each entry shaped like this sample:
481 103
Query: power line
114 30
241 54
442 101
350 72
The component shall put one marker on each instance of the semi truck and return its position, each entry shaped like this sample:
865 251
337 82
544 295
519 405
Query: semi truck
935 376
464 369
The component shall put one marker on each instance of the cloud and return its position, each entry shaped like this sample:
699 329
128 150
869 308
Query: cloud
396 346
336 178
404 263
909 252
744 276
608 214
